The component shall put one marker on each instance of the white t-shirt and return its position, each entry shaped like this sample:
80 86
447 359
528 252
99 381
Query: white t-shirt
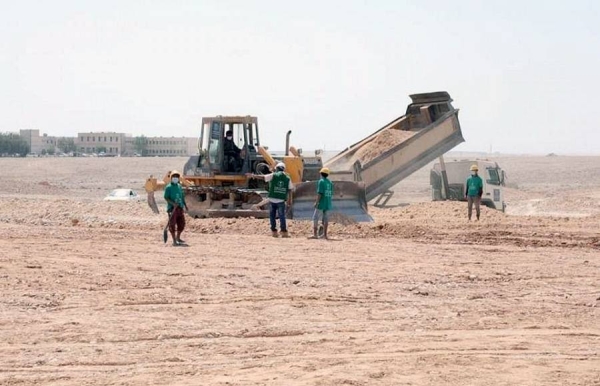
269 177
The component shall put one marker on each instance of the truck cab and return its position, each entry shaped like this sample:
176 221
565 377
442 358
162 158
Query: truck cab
458 171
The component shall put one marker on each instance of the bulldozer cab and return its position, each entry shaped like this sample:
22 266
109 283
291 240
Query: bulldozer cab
228 145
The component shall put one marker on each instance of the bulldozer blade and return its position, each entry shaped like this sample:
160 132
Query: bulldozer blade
349 202
152 202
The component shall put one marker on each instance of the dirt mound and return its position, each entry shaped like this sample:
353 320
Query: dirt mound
431 222
381 143
433 212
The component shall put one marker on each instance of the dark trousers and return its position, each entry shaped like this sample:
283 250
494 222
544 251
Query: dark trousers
277 209
473 200
177 221
233 163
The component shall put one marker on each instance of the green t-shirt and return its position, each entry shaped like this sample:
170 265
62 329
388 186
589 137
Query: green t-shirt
325 189
174 192
279 186
474 186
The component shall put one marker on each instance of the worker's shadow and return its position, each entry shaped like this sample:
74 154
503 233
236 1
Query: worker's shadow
179 245
388 206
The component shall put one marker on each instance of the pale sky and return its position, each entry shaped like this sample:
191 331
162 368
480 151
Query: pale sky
525 74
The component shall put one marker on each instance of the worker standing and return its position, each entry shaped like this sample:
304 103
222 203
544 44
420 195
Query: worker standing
175 207
473 192
323 204
280 185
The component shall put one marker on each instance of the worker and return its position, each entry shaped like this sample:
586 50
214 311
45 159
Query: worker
474 191
233 160
323 204
280 185
175 208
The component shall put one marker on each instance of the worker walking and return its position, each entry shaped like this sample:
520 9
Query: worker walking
175 208
323 204
473 192
280 185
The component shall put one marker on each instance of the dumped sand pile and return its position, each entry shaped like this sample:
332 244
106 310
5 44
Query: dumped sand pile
384 141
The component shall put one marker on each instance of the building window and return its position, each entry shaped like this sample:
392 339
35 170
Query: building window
116 139
93 139
111 139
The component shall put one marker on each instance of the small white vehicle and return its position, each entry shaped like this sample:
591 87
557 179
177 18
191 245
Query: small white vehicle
122 195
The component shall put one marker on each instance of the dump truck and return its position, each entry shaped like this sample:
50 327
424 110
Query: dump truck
368 169
452 185
215 181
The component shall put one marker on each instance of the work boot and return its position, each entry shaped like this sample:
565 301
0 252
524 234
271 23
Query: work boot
285 234
274 234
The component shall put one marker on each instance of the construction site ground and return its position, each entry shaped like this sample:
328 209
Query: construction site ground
92 296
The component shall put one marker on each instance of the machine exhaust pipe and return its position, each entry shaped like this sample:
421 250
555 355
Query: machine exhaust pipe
287 142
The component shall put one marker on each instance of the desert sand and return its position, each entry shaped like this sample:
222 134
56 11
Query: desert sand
92 296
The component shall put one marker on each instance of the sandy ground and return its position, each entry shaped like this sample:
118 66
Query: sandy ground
91 295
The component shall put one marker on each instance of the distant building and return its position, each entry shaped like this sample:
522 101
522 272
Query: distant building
33 139
110 143
163 147
113 144
123 144
39 144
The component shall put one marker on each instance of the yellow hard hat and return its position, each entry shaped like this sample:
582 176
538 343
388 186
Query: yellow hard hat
474 168
325 171
175 172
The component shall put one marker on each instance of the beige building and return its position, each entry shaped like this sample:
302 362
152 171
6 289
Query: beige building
39 144
114 144
162 146
123 144
110 143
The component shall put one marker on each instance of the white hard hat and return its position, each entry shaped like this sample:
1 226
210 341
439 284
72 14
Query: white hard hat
280 165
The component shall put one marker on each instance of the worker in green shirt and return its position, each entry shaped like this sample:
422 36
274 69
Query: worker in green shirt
474 191
280 185
323 204
175 208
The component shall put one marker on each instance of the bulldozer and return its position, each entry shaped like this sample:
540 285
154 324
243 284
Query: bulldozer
216 182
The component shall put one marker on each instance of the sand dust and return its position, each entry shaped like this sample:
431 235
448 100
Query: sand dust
92 296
